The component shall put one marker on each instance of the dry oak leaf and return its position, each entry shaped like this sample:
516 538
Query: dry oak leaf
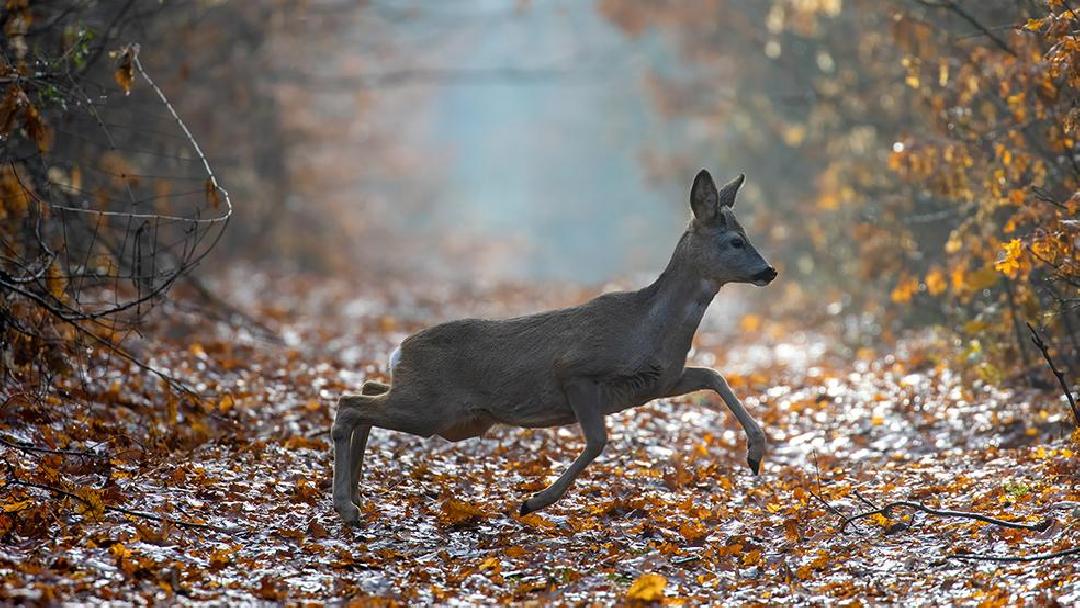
458 512
125 74
647 588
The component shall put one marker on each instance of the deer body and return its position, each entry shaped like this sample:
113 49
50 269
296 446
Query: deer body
617 351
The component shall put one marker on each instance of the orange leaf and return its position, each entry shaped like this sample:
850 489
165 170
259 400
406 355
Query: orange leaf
457 512
125 73
213 195
647 588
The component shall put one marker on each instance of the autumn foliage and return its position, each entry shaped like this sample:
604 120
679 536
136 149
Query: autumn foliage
929 151
913 171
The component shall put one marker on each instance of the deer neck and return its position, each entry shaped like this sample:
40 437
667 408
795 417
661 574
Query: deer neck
677 302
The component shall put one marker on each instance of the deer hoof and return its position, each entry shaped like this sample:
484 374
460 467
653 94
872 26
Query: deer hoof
755 464
525 510
349 513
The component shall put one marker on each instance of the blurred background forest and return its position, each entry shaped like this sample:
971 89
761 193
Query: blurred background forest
911 163
913 169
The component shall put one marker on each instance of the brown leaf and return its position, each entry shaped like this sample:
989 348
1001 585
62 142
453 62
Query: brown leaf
213 194
458 512
125 72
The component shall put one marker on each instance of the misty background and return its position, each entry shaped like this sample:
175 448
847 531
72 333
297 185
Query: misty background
520 133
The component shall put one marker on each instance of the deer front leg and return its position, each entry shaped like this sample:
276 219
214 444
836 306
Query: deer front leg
703 378
584 399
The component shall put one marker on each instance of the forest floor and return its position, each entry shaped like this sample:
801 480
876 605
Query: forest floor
120 491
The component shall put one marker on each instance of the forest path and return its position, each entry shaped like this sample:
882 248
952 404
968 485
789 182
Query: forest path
670 509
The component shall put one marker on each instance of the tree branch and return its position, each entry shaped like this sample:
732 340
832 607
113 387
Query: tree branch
1016 558
959 11
888 509
1037 339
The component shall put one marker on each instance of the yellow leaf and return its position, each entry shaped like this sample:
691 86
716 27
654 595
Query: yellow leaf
935 282
905 290
225 404
1010 263
491 563
752 558
1034 25
1043 248
956 279
18 505
647 588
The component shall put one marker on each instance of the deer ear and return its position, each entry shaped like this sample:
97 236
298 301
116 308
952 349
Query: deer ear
703 197
730 189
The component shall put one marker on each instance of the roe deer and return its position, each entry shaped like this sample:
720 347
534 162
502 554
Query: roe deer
577 364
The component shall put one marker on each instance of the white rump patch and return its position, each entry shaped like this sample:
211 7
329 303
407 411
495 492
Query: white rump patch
395 358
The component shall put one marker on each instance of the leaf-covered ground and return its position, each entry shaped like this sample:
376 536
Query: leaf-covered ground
670 511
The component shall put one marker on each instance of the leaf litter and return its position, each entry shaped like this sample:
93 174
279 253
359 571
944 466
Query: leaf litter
126 490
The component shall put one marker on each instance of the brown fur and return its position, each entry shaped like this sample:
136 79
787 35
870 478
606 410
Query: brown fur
576 364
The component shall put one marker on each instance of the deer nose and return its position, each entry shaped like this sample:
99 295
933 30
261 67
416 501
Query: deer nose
765 276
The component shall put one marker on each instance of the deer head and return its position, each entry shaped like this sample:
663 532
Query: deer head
716 244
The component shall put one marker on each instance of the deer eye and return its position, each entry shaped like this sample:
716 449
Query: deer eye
738 243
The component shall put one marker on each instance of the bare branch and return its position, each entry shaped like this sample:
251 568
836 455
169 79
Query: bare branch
1016 558
1038 341
142 514
889 508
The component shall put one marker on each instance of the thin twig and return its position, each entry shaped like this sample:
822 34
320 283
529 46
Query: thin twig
888 509
224 217
966 16
826 503
1038 341
33 448
865 500
1016 558
143 514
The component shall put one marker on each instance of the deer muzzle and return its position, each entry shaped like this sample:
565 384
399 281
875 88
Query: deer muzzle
765 276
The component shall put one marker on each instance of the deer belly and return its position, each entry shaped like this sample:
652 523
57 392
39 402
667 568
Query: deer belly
464 429
540 410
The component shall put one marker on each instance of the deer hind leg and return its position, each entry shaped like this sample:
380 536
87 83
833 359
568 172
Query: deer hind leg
358 441
585 400
346 423
355 417
357 446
